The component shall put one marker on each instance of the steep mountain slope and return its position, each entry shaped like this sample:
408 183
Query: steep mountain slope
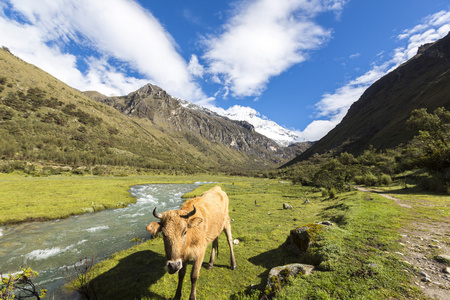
198 125
379 117
46 122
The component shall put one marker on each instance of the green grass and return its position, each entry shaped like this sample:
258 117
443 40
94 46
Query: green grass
355 259
357 256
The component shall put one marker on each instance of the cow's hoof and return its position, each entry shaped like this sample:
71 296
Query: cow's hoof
209 266
233 267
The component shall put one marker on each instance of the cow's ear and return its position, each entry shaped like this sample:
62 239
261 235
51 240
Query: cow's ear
154 227
194 222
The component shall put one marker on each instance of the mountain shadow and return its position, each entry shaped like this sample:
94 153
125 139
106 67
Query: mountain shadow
131 278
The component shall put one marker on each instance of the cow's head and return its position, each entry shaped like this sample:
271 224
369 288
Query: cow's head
174 226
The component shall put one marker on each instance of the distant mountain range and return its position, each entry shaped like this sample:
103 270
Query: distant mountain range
42 120
379 117
172 115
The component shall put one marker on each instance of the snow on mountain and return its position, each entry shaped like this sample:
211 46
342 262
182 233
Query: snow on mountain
262 124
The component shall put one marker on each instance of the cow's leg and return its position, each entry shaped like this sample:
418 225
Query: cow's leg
181 274
215 247
195 274
230 243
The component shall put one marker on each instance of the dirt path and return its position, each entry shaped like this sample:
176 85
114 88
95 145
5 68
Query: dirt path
422 241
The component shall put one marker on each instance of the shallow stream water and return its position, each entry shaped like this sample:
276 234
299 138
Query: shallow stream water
47 247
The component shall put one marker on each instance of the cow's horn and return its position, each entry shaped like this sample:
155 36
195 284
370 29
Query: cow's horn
191 213
156 215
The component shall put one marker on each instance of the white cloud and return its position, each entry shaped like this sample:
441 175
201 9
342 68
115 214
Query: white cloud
334 106
117 30
194 67
263 39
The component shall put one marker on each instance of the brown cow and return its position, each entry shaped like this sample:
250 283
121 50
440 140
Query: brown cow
189 230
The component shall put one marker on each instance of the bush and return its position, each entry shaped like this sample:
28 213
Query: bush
332 193
385 179
435 182
370 179
20 285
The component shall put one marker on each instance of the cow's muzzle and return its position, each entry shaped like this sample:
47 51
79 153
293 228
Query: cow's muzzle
174 266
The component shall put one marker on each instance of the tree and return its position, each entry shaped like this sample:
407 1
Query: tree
430 147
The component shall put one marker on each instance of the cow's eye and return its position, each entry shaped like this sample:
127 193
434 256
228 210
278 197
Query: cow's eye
184 233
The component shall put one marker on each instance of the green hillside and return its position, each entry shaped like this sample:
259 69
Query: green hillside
49 124
379 117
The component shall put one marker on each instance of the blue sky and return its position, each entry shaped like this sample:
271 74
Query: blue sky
299 63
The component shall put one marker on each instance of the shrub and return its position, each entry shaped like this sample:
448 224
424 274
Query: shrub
370 179
359 179
385 179
20 285
434 182
332 193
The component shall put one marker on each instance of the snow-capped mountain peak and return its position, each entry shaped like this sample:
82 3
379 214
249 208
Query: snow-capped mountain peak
264 126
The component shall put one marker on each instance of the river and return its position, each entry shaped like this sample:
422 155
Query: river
47 247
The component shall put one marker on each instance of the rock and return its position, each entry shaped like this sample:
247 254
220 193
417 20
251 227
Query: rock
306 201
287 206
446 270
422 273
326 223
426 279
300 238
443 258
278 275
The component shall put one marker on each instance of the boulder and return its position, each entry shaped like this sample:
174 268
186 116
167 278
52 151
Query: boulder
279 275
443 258
287 206
300 238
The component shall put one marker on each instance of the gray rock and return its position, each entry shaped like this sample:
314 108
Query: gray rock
422 273
287 206
326 223
279 275
443 258
446 270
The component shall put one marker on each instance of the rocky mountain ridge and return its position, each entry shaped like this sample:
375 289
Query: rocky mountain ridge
195 123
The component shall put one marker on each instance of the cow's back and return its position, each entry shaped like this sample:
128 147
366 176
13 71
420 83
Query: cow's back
212 206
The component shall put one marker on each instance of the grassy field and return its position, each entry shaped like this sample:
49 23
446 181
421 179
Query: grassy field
355 259
27 198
